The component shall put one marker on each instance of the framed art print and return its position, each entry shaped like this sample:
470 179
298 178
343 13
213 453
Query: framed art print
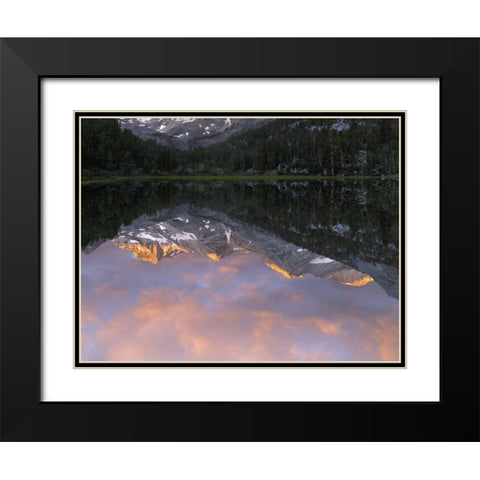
201 248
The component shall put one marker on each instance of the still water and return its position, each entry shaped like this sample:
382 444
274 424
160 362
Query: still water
240 271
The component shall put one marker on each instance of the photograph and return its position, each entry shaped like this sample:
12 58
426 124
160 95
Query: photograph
262 239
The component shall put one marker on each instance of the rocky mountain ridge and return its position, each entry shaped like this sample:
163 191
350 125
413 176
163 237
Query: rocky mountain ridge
185 229
186 133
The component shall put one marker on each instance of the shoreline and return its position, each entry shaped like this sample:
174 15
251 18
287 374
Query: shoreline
240 177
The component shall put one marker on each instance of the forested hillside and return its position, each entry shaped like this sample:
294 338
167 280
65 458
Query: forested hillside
105 148
323 147
329 147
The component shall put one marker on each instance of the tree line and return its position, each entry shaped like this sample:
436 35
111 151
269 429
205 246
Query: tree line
307 146
106 148
318 146
303 213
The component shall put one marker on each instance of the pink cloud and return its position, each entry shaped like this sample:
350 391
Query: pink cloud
221 313
88 315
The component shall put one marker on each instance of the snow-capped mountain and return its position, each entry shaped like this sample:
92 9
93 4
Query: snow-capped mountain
186 133
185 229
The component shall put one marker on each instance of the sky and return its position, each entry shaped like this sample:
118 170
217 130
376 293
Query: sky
191 308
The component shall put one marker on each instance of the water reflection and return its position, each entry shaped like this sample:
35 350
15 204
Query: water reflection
190 308
240 271
187 229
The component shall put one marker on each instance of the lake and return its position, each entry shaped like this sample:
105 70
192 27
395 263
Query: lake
240 271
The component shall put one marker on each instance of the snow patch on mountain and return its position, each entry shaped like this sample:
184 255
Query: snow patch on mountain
183 236
318 260
188 133
156 238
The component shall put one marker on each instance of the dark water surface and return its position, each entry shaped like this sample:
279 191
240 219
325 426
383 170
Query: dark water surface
240 271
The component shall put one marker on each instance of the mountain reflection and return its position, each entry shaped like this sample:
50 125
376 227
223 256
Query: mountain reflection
240 271
190 308
186 229
353 222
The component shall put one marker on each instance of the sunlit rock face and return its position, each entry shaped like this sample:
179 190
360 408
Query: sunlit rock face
186 133
152 252
186 229
281 271
351 277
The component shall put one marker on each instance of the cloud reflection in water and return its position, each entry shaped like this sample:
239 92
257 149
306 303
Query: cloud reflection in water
190 308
